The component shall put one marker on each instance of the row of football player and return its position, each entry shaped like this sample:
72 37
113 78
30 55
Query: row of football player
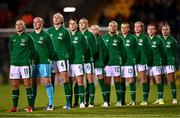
76 53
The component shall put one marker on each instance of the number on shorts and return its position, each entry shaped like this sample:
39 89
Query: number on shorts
80 68
117 69
26 72
130 70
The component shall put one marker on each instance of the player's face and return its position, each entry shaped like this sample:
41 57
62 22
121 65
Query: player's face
20 26
125 28
112 28
72 25
151 30
137 28
95 30
83 24
57 19
37 23
165 31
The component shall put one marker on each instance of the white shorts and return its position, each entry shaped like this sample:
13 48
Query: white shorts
88 68
17 72
60 66
128 71
99 71
163 70
113 71
155 70
76 70
170 69
141 67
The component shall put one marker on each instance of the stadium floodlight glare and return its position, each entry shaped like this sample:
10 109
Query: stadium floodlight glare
69 9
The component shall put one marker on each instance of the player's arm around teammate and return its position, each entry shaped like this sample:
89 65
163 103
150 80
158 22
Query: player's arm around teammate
170 45
20 45
76 68
128 69
45 53
155 69
116 49
101 62
89 61
144 48
62 43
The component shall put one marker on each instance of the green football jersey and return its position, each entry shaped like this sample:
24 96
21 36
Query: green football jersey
116 49
61 41
91 45
158 51
21 49
170 49
102 53
79 49
132 50
43 46
144 48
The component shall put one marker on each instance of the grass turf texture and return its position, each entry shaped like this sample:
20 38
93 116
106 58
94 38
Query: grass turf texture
167 110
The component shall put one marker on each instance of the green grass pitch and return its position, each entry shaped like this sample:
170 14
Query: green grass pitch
167 110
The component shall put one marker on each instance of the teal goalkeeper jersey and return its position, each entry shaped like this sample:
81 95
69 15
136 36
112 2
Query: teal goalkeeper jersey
170 49
116 49
43 46
61 41
21 49
102 53
132 50
79 49
144 49
158 51
91 53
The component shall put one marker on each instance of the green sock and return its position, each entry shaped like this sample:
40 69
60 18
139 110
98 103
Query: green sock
118 91
103 89
145 91
29 96
87 92
91 93
76 94
108 92
160 90
123 92
71 90
81 93
15 97
148 89
67 92
133 91
34 92
173 89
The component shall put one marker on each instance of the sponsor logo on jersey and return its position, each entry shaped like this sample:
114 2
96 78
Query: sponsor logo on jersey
154 44
75 40
115 42
128 42
23 42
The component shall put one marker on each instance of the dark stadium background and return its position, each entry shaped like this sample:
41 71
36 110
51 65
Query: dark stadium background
96 11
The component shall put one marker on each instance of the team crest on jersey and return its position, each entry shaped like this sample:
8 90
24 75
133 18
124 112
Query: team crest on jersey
115 42
41 38
51 35
60 34
140 40
127 41
23 40
168 42
75 38
107 40
154 44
